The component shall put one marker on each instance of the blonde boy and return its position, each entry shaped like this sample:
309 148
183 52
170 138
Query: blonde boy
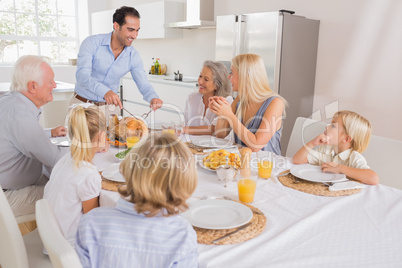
339 148
144 229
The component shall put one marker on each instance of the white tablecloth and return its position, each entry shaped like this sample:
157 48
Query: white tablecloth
304 230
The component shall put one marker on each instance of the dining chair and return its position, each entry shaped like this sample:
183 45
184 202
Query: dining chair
303 131
384 156
17 251
61 252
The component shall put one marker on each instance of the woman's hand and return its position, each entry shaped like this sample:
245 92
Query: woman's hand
220 106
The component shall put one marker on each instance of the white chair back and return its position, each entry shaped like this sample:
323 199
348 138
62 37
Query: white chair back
384 156
17 251
12 249
61 253
304 130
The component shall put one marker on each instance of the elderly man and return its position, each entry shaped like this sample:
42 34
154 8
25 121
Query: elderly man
25 146
105 58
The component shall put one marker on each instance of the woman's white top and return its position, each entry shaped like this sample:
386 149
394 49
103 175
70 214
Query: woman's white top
195 108
67 189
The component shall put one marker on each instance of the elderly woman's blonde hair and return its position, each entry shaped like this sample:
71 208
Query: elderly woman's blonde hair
253 84
357 127
160 175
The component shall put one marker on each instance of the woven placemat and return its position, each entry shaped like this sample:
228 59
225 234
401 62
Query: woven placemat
110 185
206 236
314 188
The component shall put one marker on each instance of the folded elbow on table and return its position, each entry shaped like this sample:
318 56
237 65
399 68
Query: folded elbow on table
374 179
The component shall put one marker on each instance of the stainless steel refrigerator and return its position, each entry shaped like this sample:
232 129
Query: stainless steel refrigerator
288 45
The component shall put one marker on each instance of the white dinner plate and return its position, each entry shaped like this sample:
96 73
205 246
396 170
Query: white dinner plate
112 173
61 141
217 214
314 173
211 141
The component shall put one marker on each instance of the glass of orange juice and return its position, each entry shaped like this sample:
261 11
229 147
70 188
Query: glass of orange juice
264 167
246 188
132 137
168 128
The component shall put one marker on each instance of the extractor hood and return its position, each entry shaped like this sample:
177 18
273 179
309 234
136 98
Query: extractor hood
200 14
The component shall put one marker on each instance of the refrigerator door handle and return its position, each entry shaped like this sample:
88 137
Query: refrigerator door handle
238 42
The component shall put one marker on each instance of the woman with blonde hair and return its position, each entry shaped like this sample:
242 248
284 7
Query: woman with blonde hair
256 114
212 81
74 185
144 229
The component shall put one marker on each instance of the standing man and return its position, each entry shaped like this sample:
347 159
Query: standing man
105 58
25 147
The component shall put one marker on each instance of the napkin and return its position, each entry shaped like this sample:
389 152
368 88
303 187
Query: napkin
346 185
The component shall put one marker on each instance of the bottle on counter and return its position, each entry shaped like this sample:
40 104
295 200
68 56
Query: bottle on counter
157 69
153 66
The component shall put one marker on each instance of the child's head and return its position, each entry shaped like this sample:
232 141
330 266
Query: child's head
356 127
86 129
160 175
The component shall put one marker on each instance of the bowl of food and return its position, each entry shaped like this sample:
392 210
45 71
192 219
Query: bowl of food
221 157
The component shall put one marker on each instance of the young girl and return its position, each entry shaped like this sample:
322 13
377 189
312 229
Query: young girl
74 185
339 148
256 114
144 229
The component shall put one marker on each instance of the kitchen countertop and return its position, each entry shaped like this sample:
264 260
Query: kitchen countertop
61 87
169 79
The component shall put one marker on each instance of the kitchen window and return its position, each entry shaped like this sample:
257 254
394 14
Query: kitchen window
38 27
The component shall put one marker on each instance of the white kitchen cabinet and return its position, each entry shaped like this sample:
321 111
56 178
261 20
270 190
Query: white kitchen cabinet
153 17
173 94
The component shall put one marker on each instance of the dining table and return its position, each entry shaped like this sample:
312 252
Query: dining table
302 230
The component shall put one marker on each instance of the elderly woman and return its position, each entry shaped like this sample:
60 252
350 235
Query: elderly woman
213 81
256 114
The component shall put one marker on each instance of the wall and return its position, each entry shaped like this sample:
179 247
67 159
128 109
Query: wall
359 55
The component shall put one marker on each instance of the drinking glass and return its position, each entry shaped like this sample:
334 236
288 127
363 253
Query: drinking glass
168 128
132 137
264 167
246 188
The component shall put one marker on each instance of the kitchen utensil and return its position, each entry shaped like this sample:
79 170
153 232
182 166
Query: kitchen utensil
229 234
130 113
145 115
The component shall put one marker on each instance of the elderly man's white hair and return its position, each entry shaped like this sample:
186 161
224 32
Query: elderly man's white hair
27 68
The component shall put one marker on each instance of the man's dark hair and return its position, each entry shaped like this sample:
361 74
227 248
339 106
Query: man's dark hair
120 15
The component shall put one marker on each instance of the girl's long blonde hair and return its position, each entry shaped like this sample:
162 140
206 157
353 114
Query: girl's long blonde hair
84 126
253 84
160 175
